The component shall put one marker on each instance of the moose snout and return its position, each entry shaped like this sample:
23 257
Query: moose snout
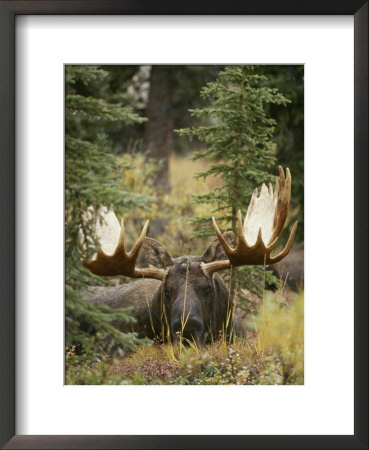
190 329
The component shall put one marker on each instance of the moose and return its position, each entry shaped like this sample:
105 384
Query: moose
185 297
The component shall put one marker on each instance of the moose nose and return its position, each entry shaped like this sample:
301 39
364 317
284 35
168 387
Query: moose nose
190 329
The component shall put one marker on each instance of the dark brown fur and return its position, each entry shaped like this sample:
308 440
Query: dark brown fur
187 296
292 267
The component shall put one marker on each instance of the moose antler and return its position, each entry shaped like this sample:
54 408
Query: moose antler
122 262
263 224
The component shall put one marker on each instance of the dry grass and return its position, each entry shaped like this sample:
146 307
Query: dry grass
183 170
272 354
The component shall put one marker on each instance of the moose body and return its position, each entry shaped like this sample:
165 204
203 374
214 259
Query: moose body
291 268
185 297
187 304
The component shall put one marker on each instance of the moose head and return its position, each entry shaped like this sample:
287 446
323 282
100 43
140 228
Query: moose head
190 299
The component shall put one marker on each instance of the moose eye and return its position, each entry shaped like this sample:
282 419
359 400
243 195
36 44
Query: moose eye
207 290
166 291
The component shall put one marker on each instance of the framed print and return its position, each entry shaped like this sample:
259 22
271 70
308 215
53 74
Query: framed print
91 94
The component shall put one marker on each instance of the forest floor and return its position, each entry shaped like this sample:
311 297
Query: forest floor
273 353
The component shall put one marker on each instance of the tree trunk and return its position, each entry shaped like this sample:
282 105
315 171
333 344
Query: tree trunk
158 133
159 127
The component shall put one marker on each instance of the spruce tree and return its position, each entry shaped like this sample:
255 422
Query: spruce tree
92 180
289 133
238 135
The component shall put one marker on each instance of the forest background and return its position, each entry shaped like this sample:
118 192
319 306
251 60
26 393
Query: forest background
143 139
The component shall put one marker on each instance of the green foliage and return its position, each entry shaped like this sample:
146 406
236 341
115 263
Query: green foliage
254 279
90 328
238 135
84 369
92 171
92 180
289 132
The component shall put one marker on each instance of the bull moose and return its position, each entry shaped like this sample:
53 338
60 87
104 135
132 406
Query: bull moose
185 297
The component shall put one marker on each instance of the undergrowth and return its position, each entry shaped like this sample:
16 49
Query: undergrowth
273 354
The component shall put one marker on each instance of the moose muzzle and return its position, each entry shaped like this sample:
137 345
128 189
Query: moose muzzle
187 321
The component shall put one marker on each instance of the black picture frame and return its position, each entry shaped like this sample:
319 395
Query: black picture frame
8 12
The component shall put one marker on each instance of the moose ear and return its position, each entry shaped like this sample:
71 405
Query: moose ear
216 252
155 254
